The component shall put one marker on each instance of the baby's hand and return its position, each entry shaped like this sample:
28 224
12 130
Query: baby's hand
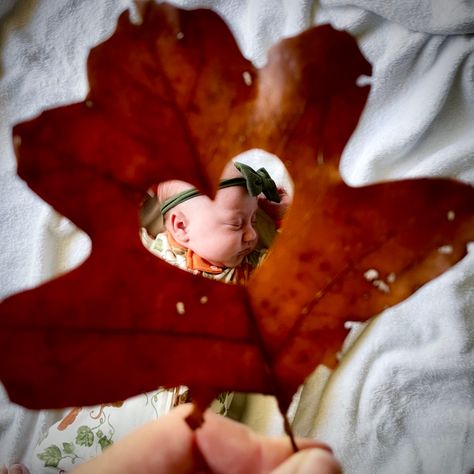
276 210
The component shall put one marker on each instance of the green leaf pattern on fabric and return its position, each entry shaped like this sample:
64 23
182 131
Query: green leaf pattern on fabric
158 245
94 429
85 436
68 448
51 456
104 442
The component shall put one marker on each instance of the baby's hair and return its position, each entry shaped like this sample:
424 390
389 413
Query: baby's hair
170 188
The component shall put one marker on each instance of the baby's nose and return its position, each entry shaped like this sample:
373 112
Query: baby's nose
250 233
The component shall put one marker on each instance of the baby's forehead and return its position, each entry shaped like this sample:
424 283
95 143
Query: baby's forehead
234 197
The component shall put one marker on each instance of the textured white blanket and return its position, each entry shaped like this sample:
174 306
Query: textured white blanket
403 399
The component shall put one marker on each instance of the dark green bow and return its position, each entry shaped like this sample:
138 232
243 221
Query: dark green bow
259 182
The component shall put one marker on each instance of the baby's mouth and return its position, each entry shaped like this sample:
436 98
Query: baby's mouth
245 252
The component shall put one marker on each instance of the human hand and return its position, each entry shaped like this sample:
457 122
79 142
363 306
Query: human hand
14 469
276 210
218 446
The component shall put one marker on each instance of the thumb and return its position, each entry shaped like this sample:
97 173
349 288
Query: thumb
310 461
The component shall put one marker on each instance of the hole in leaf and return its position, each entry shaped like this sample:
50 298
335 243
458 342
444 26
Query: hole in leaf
226 238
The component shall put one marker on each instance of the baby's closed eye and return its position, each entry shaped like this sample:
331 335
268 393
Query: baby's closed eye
237 225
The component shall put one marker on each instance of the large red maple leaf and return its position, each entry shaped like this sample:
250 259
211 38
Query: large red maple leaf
173 98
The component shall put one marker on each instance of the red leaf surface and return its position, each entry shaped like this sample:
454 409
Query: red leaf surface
173 98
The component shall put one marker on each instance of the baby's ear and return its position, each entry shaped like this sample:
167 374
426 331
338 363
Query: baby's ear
177 225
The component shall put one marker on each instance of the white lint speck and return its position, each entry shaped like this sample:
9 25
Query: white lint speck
371 274
247 78
382 286
180 309
179 35
391 277
451 216
204 299
363 81
446 249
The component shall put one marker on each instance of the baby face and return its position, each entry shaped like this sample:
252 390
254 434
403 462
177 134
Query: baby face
221 231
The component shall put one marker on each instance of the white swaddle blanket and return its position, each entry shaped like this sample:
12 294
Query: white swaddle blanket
402 400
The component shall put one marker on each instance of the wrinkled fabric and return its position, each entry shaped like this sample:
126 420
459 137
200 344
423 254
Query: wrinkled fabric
401 401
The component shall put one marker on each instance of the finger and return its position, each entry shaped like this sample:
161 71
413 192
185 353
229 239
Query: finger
17 469
307 443
158 447
310 461
230 447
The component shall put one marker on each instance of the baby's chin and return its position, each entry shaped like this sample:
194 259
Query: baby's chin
239 258
232 262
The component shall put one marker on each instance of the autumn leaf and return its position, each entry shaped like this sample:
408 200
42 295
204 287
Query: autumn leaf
173 98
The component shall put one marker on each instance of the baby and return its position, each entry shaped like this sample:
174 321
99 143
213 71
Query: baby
215 238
